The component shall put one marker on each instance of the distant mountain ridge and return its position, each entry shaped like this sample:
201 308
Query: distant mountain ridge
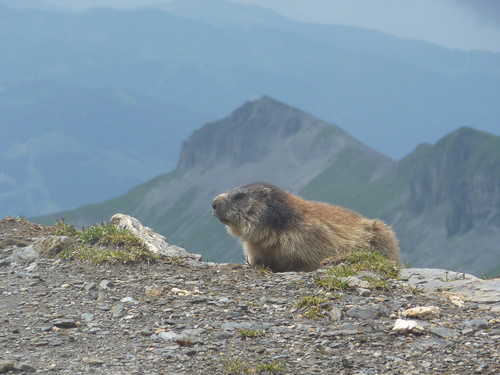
442 199
344 75
58 137
109 95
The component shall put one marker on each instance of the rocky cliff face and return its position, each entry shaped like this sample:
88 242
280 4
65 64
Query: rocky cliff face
246 136
460 173
449 214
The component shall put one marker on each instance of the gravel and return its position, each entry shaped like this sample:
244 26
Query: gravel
190 317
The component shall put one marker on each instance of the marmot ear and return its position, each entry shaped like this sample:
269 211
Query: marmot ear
266 192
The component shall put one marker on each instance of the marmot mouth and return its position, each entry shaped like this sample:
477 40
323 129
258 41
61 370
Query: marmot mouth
224 221
221 219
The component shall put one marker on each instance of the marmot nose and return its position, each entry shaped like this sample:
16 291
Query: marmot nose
215 202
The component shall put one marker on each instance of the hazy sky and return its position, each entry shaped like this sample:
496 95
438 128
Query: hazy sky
463 24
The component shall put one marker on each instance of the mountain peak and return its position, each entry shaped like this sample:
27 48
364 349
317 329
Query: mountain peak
459 172
247 135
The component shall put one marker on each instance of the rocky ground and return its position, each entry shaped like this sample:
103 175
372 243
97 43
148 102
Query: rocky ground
185 316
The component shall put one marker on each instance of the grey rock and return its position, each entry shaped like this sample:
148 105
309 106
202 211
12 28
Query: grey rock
477 323
363 292
129 300
33 267
89 286
443 332
118 311
335 314
26 368
193 332
25 255
104 284
50 246
6 367
355 282
64 323
88 317
224 335
170 336
468 287
365 312
242 325
344 332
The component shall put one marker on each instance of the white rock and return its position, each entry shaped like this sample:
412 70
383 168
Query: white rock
402 325
154 242
129 300
423 312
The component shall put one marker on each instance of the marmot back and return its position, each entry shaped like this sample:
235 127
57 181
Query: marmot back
287 233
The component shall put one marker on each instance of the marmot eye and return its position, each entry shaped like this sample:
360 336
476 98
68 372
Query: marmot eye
239 196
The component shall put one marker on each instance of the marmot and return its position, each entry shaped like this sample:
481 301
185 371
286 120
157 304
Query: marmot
287 233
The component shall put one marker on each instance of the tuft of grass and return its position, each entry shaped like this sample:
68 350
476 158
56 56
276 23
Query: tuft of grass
61 228
236 366
104 243
239 366
272 367
352 263
453 276
377 282
309 301
332 282
251 333
263 269
314 312
312 306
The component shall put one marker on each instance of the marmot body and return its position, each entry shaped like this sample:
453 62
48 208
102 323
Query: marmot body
287 233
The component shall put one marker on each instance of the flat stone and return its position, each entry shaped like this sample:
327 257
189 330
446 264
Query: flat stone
360 312
6 367
443 332
25 255
64 323
422 312
118 311
477 323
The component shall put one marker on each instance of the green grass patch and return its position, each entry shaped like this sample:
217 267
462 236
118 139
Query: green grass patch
332 283
312 306
275 367
236 366
309 301
62 228
104 243
352 263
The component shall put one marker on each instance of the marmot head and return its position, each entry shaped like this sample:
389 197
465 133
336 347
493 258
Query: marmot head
253 208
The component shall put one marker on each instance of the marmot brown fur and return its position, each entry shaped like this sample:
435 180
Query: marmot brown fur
287 233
